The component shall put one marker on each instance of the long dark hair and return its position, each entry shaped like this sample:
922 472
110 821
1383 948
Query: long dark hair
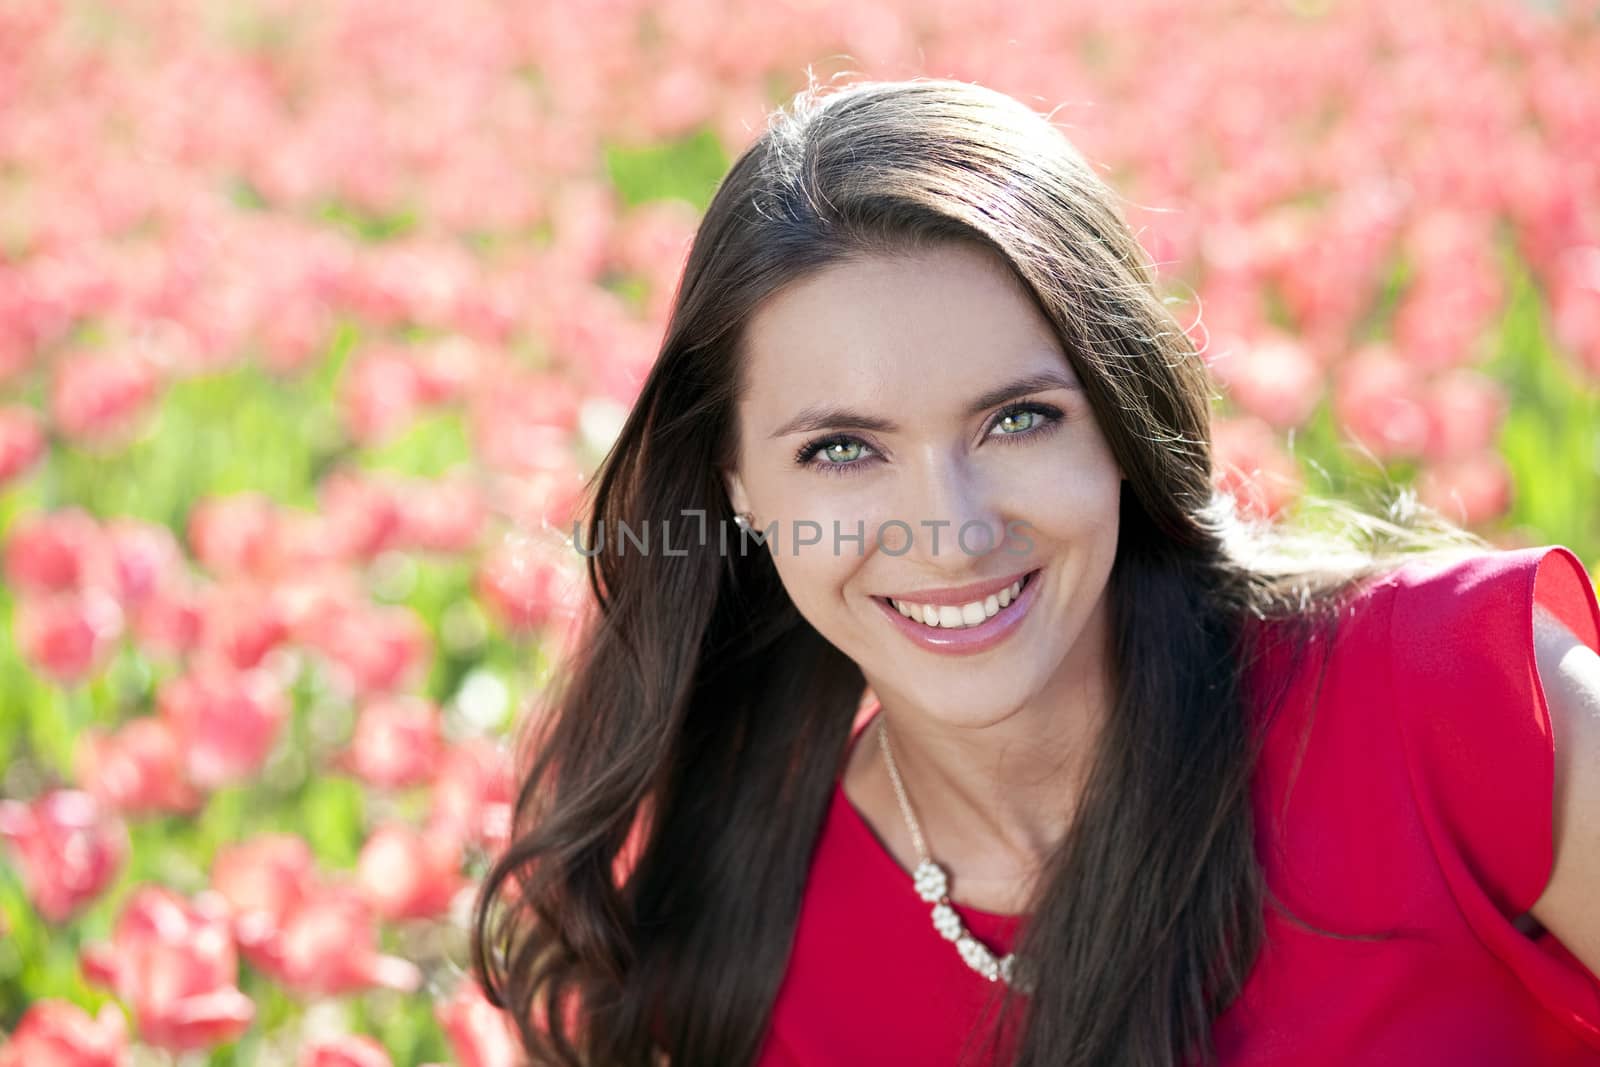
678 772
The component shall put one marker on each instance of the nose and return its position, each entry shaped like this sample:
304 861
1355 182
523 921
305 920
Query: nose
955 513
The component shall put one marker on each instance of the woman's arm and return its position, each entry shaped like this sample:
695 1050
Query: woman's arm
1570 673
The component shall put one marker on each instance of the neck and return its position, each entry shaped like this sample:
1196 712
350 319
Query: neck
993 802
1001 797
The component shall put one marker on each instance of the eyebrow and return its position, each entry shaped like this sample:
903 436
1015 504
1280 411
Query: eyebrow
829 417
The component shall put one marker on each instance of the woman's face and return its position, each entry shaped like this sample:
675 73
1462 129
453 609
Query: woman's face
880 402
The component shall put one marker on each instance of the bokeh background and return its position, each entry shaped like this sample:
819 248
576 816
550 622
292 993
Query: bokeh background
314 317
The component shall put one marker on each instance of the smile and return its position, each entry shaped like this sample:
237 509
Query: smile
968 629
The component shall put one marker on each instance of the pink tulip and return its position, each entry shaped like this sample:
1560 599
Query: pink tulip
15 353
349 1050
309 541
1330 280
523 419
493 311
396 743
442 516
584 214
413 281
264 879
168 623
143 556
68 848
618 352
22 441
1250 464
407 874
480 1034
472 795
364 515
54 551
326 944
1465 408
382 393
63 286
1440 320
525 583
102 397
541 498
1274 378
1536 194
139 769
654 241
173 962
1378 400
374 649
241 623
55 1033
448 369
1575 305
68 636
547 498
227 719
1455 291
309 599
1228 308
1470 490
314 935
293 337
234 534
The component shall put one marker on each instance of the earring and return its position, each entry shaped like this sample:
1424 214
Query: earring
743 520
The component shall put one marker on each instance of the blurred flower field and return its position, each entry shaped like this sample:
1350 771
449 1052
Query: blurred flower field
315 317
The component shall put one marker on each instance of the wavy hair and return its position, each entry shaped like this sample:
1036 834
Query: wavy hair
676 777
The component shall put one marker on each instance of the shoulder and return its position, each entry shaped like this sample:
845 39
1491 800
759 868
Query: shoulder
1429 695
1495 590
1473 713
1461 623
1464 659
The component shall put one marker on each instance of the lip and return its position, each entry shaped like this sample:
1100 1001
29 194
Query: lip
968 641
961 594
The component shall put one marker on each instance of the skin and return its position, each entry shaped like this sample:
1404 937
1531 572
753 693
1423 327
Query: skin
1569 672
991 746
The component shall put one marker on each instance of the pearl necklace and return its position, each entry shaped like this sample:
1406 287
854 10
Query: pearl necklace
932 885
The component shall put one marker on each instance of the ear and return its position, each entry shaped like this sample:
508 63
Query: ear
735 487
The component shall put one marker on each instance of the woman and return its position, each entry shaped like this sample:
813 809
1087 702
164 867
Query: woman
918 358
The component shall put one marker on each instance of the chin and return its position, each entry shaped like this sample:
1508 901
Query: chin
972 706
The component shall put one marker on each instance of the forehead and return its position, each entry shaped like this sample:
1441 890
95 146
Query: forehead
917 328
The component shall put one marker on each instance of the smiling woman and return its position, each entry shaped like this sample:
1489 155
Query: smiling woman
964 413
1148 784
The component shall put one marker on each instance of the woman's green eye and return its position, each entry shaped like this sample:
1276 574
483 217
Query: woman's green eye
1014 416
834 450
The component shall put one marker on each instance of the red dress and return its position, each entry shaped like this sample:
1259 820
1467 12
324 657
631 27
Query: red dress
1424 798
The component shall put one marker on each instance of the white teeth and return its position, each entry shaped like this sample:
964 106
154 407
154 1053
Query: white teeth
950 617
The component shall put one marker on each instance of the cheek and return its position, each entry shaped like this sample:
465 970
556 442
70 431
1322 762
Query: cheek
815 578
1075 500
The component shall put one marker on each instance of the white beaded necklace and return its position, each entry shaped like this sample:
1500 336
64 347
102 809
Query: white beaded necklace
932 885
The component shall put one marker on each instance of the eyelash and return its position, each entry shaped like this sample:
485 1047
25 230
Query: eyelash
807 451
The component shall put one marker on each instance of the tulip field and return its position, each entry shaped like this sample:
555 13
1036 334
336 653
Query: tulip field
315 318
